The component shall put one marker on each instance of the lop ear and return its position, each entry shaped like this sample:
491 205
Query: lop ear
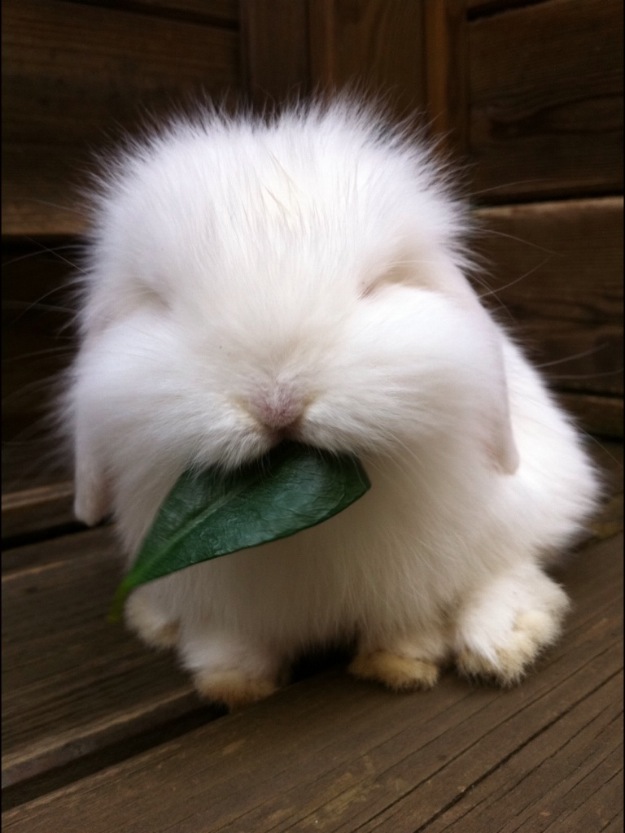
92 501
501 448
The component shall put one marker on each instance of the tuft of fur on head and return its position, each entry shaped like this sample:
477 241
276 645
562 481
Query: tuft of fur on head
227 259
318 168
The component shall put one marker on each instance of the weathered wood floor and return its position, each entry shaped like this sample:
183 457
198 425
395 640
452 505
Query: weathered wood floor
101 736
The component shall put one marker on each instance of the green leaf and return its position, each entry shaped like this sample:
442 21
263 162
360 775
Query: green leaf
212 513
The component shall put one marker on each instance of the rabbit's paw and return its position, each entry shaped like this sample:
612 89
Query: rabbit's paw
150 624
399 673
232 687
502 632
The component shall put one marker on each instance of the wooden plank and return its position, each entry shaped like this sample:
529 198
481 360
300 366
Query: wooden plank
275 50
480 7
555 271
72 682
37 509
375 46
59 550
224 12
37 344
598 415
73 73
446 72
335 754
546 100
528 791
37 332
32 474
608 458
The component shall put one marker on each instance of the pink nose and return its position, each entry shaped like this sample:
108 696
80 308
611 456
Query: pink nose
278 410
279 414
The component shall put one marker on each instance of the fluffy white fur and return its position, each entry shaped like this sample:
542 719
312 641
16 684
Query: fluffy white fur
303 276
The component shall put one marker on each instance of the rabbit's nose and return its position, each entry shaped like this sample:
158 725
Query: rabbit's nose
279 407
279 410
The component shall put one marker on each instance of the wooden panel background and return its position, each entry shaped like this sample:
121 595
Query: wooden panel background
371 45
76 75
546 100
557 270
527 97
37 338
544 139
275 51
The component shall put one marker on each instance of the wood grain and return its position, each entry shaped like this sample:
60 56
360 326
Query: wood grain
601 416
73 73
334 754
375 46
528 791
275 50
555 270
224 12
545 91
37 331
37 509
446 69
480 7
73 682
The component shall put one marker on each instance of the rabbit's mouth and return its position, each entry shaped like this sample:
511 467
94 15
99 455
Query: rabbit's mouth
291 432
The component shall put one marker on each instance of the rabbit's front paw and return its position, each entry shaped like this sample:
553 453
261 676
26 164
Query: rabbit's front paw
502 632
399 673
232 687
149 623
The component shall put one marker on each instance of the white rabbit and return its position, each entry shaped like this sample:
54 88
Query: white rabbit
303 276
